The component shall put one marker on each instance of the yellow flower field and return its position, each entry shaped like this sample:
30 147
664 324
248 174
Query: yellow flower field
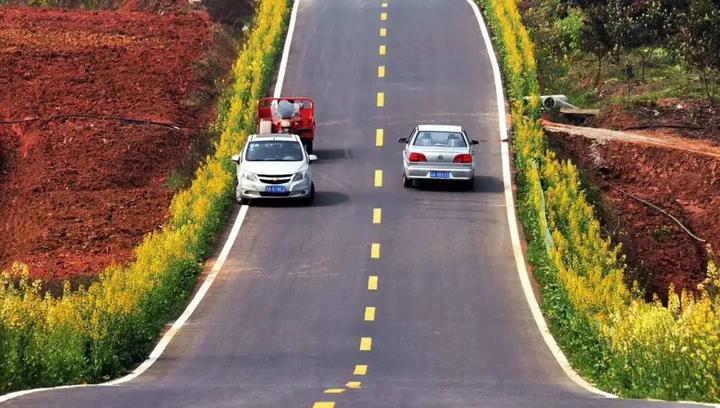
100 331
610 333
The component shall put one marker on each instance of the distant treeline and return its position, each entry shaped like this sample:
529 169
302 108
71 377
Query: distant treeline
690 29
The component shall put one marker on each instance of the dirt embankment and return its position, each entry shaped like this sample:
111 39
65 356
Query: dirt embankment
683 182
77 194
690 119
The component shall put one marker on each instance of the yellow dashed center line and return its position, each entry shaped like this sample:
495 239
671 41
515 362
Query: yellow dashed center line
378 178
360 369
334 391
365 343
372 283
379 137
377 215
370 313
375 251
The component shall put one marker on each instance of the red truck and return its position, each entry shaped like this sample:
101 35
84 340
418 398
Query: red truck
287 114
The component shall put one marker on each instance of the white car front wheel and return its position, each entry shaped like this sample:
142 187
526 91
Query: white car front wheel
311 196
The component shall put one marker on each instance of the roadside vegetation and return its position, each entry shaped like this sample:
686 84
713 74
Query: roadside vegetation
650 67
609 332
98 332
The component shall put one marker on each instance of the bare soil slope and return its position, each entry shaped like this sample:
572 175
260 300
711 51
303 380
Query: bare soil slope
680 176
689 119
79 194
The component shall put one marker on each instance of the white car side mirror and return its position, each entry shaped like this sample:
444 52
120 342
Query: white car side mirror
236 158
312 157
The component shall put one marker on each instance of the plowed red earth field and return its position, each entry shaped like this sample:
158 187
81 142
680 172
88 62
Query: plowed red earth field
79 194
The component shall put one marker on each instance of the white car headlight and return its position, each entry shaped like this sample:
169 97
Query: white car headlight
298 176
249 176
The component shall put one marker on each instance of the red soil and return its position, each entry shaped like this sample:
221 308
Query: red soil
685 184
77 195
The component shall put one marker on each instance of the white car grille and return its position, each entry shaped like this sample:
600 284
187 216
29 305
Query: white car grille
275 179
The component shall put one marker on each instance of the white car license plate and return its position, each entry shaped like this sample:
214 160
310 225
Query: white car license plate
276 189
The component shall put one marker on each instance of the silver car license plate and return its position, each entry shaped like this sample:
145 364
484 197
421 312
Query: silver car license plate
440 174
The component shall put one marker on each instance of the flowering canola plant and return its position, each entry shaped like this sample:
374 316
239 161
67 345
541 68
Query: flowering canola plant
609 333
93 333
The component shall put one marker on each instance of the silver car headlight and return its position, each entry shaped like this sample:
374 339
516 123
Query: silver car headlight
249 176
298 176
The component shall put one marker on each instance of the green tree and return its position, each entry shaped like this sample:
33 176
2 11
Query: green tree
557 33
619 26
699 41
651 26
607 23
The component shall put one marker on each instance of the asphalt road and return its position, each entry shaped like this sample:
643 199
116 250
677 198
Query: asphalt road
284 320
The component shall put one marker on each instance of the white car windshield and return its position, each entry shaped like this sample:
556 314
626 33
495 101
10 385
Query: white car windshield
274 150
440 139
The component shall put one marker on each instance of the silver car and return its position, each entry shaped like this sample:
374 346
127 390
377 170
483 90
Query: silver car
438 152
274 166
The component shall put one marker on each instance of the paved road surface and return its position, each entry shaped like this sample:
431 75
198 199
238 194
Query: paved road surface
285 318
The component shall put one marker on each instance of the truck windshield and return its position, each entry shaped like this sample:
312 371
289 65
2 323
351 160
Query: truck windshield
274 150
440 139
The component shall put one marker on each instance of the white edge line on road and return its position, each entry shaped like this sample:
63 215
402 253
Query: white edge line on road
512 220
217 266
168 336
515 236
165 340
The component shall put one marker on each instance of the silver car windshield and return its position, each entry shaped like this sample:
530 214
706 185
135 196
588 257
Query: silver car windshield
440 139
274 150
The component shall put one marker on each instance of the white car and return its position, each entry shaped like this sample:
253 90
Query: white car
438 152
274 166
